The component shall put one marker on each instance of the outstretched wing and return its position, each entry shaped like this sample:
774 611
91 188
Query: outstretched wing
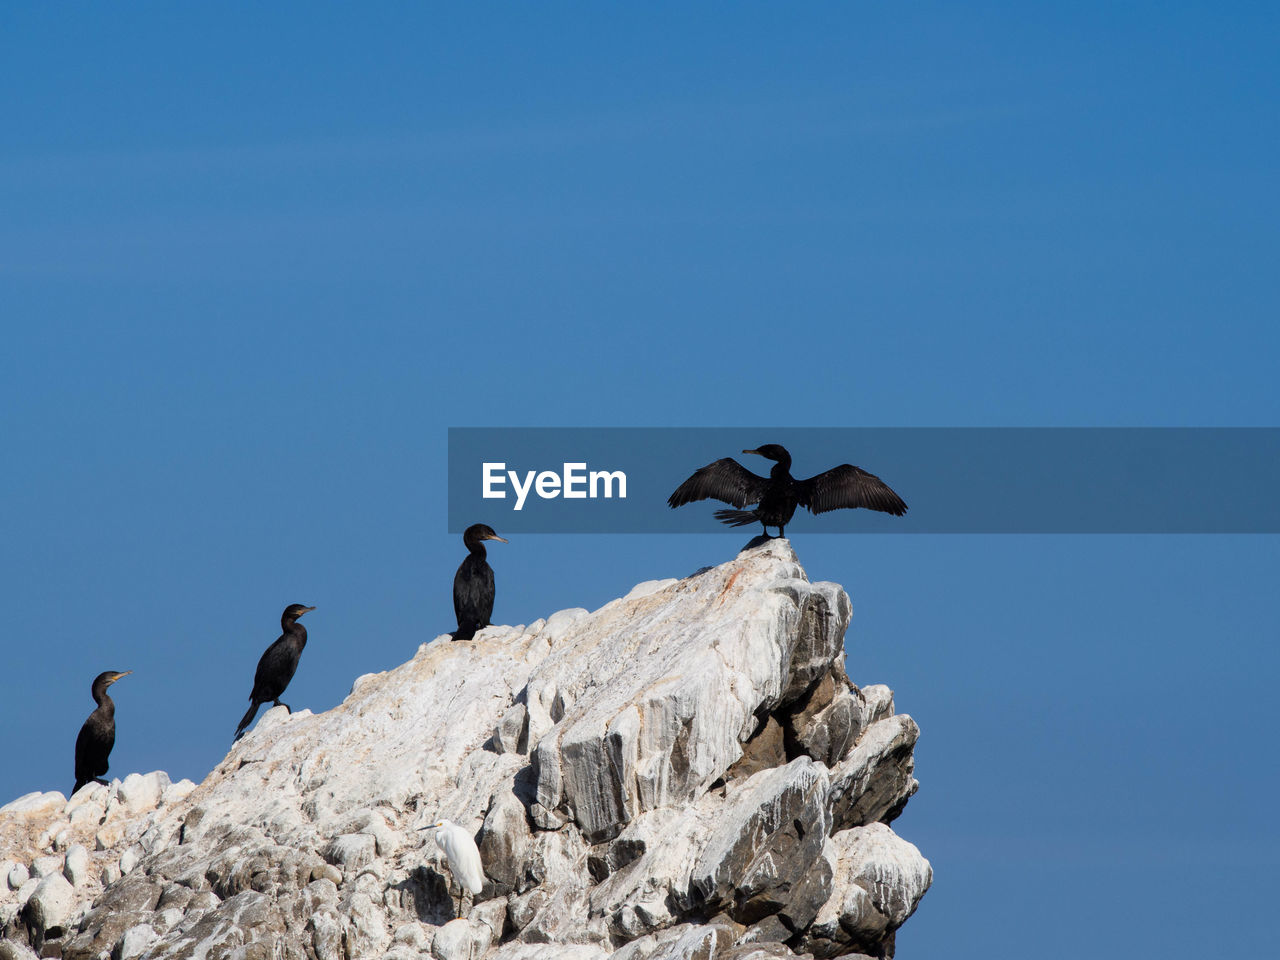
848 486
726 480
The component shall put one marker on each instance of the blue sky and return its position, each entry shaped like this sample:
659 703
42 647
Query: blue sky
255 262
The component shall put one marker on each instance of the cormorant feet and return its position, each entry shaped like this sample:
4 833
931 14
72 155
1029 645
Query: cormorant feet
285 705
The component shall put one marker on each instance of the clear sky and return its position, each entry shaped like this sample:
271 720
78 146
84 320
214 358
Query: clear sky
256 259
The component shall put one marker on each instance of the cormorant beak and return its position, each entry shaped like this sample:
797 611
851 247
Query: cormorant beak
753 451
498 538
305 610
118 676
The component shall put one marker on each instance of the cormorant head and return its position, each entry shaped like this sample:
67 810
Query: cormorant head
294 610
480 531
772 451
104 680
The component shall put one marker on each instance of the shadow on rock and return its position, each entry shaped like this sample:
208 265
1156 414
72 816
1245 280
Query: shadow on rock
426 891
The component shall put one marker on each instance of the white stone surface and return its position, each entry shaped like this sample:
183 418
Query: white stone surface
136 941
90 794
549 951
878 886
351 850
129 859
51 902
77 865
141 792
41 867
177 791
592 754
34 802
18 875
26 890
461 939
646 719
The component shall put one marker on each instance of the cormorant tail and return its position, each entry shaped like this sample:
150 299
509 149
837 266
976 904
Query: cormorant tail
246 719
79 783
737 518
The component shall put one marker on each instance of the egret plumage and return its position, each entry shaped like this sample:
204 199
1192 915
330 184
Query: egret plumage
98 735
778 494
473 589
277 665
463 856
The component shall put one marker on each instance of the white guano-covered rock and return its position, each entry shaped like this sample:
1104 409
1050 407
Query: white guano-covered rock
645 719
461 939
136 941
765 841
876 778
176 791
41 867
351 851
18 875
692 750
77 866
50 904
36 802
141 792
880 879
129 859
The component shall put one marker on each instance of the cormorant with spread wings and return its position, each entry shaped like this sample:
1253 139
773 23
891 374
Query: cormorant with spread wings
778 495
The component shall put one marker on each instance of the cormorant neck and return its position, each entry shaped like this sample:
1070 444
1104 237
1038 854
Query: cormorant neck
477 548
291 625
103 700
782 468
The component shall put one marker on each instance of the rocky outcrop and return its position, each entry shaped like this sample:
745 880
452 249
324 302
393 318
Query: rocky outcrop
685 772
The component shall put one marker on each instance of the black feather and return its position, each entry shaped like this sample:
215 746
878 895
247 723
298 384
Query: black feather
847 486
737 518
277 665
725 480
98 735
473 587
778 495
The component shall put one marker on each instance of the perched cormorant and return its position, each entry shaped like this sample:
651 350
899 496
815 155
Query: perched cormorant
277 666
473 583
98 735
779 493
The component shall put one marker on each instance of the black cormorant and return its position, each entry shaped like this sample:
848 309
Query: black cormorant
473 583
277 666
779 493
98 735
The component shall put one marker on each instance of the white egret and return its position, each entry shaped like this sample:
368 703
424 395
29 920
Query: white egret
460 849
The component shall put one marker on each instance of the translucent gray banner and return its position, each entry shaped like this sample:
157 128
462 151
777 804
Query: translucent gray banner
954 480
